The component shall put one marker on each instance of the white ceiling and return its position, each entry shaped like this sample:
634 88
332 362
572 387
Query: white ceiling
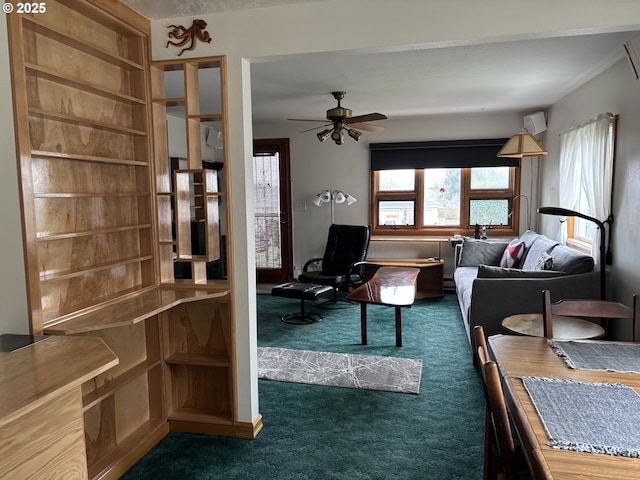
484 77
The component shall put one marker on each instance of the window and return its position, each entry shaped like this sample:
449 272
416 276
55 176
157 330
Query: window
443 201
586 179
443 187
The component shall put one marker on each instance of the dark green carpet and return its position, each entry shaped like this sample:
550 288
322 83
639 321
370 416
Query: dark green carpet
316 432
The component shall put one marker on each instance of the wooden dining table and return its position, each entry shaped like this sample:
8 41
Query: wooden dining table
518 356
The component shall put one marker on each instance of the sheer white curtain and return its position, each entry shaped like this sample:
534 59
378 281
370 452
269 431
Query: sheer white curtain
586 162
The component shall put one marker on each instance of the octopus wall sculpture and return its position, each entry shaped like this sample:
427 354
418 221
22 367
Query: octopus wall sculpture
185 35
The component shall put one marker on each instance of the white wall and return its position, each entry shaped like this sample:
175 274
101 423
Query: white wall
14 316
615 91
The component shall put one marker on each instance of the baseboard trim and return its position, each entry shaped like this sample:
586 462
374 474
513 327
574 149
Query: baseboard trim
136 454
247 430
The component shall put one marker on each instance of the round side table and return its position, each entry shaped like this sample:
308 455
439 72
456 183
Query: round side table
566 328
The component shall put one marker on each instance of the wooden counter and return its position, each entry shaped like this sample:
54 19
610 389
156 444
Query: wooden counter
41 411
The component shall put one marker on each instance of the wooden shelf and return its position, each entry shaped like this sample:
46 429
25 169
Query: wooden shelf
92 195
88 158
52 75
97 396
80 44
196 415
203 360
171 102
130 309
49 276
44 236
207 117
63 117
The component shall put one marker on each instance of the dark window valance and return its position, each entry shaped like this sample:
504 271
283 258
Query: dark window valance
439 154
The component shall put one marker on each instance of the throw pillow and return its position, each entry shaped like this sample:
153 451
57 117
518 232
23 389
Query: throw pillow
478 252
512 255
545 262
487 271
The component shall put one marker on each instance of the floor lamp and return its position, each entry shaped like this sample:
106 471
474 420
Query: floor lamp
563 212
333 197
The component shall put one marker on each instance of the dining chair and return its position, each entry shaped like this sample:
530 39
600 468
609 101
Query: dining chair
501 458
479 345
603 309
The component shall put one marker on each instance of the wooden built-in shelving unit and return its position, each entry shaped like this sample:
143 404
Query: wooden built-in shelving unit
104 215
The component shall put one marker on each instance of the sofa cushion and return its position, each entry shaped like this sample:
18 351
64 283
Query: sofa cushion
513 254
488 271
540 245
478 252
571 261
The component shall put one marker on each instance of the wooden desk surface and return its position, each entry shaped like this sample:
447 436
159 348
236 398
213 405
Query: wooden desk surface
521 356
34 375
392 286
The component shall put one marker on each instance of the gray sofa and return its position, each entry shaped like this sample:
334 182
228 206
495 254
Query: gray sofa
487 293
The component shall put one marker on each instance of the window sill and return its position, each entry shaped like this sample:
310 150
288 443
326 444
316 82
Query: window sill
579 245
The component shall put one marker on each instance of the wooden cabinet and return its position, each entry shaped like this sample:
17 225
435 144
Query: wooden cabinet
192 93
80 98
104 214
198 355
41 406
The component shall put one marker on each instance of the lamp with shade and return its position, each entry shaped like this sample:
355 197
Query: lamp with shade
332 197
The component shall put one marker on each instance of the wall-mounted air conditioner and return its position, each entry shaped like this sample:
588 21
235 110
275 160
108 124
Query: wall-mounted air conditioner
632 49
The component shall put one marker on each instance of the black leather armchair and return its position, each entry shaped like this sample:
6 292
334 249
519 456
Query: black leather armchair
346 246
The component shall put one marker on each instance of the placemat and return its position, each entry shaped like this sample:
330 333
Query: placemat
606 356
587 417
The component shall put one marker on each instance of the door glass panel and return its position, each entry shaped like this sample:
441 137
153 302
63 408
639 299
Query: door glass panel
266 179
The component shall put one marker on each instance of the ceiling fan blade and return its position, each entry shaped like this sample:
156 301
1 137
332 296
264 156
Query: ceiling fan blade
370 117
367 127
316 128
306 120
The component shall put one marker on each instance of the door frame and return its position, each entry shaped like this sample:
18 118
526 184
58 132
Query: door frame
280 145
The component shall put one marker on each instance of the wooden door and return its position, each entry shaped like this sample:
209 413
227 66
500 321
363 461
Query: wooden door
272 180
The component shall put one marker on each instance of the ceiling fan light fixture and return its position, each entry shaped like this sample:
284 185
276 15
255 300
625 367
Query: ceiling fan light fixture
337 136
521 145
355 134
323 135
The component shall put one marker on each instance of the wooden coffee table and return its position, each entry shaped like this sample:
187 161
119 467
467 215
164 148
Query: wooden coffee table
390 286
566 328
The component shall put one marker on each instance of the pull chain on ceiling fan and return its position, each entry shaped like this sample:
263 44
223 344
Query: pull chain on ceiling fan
341 121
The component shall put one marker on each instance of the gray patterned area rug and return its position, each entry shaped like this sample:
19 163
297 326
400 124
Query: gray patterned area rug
390 374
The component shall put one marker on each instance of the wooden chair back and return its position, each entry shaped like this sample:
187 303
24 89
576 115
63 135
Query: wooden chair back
498 421
478 339
589 309
498 434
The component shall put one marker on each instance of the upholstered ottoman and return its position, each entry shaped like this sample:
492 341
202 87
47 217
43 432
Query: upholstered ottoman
301 291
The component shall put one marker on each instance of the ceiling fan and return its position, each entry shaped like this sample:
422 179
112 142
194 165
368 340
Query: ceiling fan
341 120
